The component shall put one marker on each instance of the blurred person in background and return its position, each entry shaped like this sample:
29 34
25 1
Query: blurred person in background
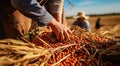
98 25
82 21
19 14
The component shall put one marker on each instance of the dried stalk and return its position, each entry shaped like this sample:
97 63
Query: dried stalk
86 50
93 56
43 41
43 63
13 42
62 47
61 60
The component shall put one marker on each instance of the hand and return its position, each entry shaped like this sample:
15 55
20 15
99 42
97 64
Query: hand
61 31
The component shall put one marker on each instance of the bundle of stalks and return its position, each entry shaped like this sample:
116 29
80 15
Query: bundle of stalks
18 53
87 50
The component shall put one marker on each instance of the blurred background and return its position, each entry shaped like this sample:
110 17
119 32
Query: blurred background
107 10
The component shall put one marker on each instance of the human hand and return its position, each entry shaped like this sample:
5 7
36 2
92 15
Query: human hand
61 31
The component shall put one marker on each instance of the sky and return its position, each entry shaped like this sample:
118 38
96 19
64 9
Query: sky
92 6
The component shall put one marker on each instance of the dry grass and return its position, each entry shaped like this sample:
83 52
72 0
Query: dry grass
18 53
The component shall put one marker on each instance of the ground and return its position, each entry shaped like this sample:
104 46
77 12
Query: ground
111 24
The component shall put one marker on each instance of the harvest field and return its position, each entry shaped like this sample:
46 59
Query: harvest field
83 48
111 24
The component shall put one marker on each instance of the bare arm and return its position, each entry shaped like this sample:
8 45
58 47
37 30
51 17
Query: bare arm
56 9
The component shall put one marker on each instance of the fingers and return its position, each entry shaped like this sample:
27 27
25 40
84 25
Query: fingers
60 36
57 36
64 35
69 31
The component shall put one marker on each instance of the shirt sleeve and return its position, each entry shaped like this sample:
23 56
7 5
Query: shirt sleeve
56 6
33 10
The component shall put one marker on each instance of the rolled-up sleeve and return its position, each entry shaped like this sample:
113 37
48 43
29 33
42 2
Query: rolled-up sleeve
33 10
56 6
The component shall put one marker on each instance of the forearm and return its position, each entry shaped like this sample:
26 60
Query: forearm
56 9
57 16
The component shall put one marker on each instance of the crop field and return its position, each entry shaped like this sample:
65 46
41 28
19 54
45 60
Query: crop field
111 24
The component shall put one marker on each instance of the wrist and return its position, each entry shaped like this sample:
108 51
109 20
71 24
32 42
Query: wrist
57 16
52 23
